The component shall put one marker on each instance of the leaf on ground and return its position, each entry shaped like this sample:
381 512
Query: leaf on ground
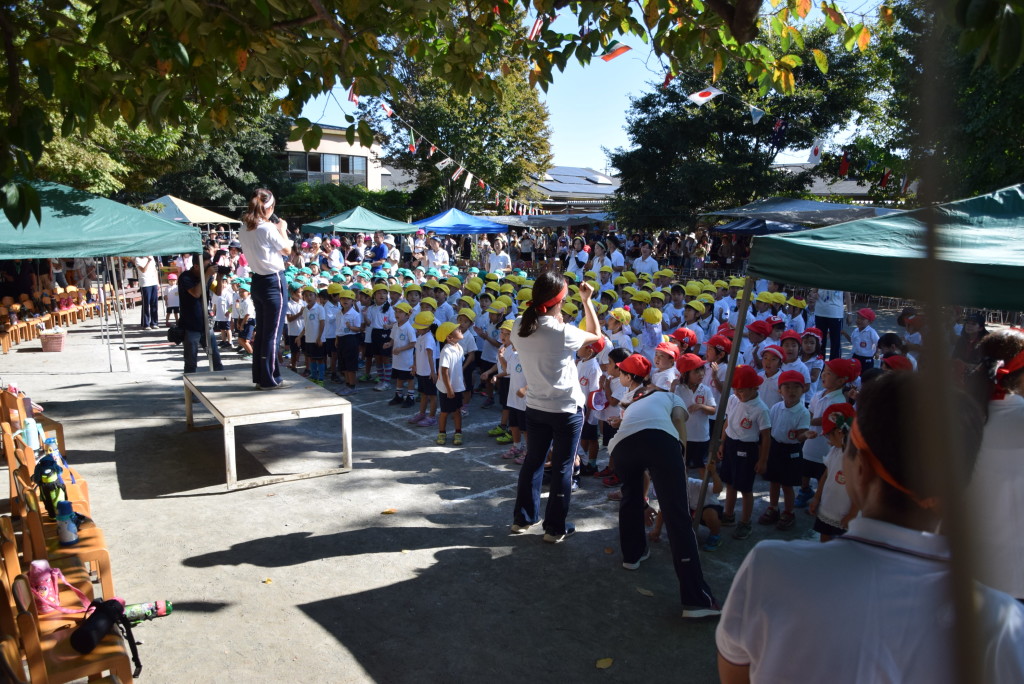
609 550
604 663
389 511
645 592
267 580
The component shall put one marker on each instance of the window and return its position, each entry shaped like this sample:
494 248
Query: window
313 165
330 163
297 161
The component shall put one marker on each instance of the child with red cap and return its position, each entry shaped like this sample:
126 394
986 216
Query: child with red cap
664 374
701 404
864 338
719 347
790 424
812 355
757 333
834 377
772 357
831 505
746 445
791 343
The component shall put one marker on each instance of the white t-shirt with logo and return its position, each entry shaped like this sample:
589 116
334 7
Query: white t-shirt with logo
835 500
402 336
746 419
451 358
698 426
424 366
864 342
815 449
787 423
516 381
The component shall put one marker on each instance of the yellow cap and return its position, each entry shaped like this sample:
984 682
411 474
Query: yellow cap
423 320
443 288
736 282
606 269
665 273
590 274
720 283
779 297
706 298
468 313
496 308
403 306
429 301
493 286
649 286
413 288
570 276
798 303
380 287
507 325
309 288
453 282
630 276
491 276
620 280
764 297
505 301
507 287
697 306
474 285
570 309
432 283
334 288
347 294
621 315
644 276
444 330
630 290
659 295
524 295
652 315
642 296
601 308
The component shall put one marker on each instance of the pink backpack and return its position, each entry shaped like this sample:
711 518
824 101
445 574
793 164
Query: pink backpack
45 583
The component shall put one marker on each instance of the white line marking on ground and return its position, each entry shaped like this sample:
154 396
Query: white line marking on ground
479 495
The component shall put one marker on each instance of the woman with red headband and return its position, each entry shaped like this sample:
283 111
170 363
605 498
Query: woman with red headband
875 604
997 486
554 402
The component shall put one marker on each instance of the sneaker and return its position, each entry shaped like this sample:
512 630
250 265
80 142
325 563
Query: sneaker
415 418
641 559
611 481
519 529
769 517
363 378
786 521
728 519
504 439
559 538
395 400
512 452
606 472
408 402
347 392
496 431
441 439
428 421
615 496
247 355
588 469
574 485
382 386
742 530
520 459
488 402
712 543
457 439
803 497
700 612
464 411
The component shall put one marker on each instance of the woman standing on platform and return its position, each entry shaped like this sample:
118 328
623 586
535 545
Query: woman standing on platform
265 244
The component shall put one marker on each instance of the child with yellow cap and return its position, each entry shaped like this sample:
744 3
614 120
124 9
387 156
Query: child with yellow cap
450 384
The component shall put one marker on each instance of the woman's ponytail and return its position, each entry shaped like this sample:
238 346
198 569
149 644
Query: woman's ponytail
547 287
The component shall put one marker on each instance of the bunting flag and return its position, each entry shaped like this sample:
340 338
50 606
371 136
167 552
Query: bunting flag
871 165
468 185
701 96
755 114
778 140
844 163
431 152
614 49
885 178
387 110
412 141
668 79
458 173
443 164
352 96
480 182
508 204
535 30
815 156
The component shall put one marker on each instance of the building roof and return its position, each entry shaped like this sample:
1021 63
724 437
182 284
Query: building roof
575 182
397 179
852 187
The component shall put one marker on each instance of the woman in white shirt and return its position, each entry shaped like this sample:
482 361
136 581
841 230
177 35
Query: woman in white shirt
265 243
499 260
149 285
576 261
554 402
435 255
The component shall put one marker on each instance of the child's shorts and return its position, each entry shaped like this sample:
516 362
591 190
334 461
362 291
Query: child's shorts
446 405
348 353
401 374
607 432
329 346
426 386
589 431
173 310
697 454
717 508
220 326
739 460
293 343
824 528
484 366
247 329
785 465
378 336
517 418
503 385
467 371
811 469
313 351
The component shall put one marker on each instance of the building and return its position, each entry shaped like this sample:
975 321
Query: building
573 189
336 161
852 188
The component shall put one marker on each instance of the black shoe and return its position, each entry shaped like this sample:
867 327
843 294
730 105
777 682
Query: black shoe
335 377
395 401
588 469
408 402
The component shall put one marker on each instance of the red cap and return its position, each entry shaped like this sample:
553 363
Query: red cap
790 335
172 276
745 377
598 346
837 416
845 368
813 332
720 342
636 364
774 349
586 248
724 328
774 321
669 348
867 313
761 328
791 376
686 336
688 362
898 362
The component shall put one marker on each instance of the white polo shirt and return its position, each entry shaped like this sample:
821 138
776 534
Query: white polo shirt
815 449
262 248
787 423
746 419
653 412
871 606
547 357
451 358
864 342
769 389
698 426
800 367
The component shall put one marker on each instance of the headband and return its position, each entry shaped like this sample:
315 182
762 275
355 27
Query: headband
869 456
551 303
269 201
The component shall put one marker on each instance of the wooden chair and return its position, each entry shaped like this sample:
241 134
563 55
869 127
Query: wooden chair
11 665
52 660
91 547
14 409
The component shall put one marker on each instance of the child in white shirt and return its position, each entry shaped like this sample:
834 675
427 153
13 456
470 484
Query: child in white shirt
745 450
664 374
701 404
831 505
402 345
791 422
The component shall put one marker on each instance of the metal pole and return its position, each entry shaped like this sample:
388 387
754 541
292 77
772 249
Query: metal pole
723 402
206 310
120 321
104 328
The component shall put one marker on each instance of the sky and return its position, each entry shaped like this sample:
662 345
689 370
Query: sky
587 104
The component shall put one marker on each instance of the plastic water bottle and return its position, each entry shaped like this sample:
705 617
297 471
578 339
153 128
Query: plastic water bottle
137 612
30 433
67 526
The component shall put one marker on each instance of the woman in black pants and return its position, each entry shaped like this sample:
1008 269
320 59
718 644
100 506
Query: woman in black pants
651 438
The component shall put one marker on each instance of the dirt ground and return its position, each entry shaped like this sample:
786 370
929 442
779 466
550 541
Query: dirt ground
310 580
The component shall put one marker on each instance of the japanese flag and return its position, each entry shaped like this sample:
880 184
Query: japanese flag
701 96
815 156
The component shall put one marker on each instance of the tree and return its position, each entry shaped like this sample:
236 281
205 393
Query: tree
687 160
306 202
151 64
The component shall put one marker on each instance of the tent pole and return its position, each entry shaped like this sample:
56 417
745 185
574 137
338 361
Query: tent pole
206 312
120 320
723 402
104 331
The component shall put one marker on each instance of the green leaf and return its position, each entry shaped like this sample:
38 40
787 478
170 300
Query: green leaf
821 60
792 61
32 204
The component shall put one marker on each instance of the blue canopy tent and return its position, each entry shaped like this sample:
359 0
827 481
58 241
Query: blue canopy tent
757 227
455 222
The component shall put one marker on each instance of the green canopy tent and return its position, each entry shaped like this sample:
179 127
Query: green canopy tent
981 244
77 224
359 220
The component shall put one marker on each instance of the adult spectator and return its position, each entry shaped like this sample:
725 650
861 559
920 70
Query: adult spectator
576 260
600 258
379 252
829 313
997 486
499 261
615 256
646 263
419 247
407 249
265 241
57 272
887 615
726 252
393 255
149 288
335 257
435 255
547 349
192 318
353 251
526 247
651 438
